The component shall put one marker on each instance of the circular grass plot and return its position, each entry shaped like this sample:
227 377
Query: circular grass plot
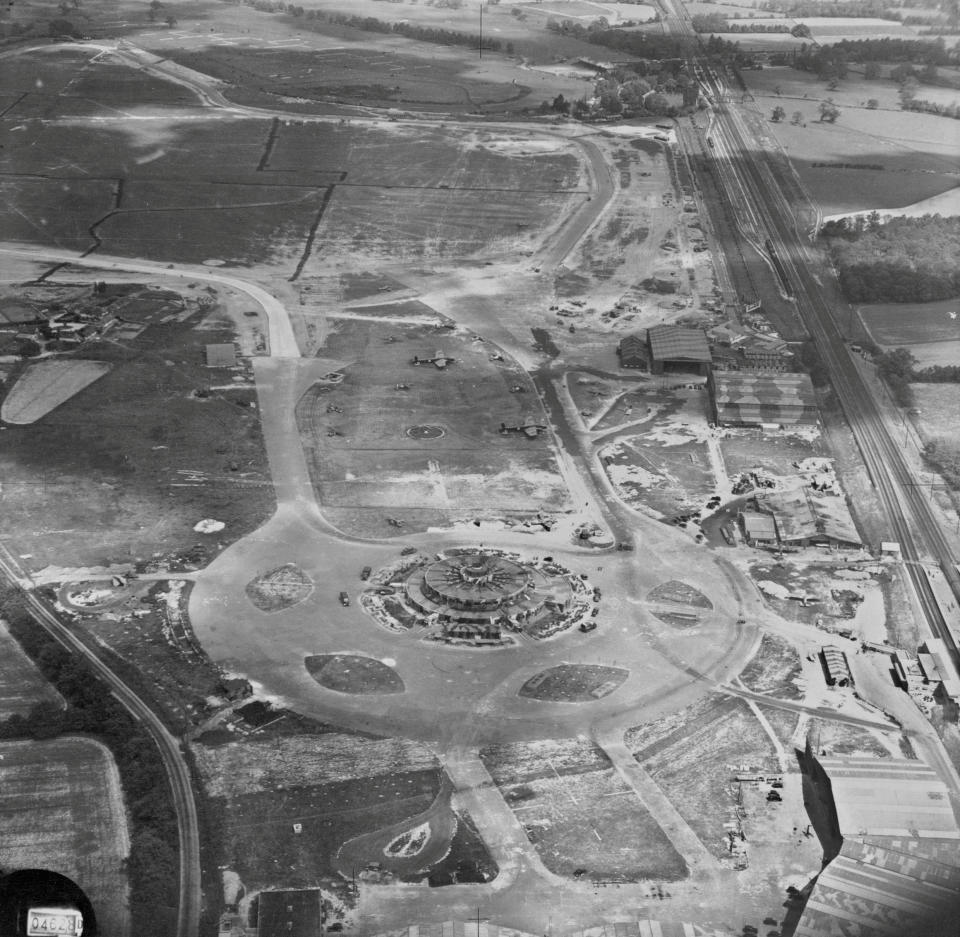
351 673
574 683
426 431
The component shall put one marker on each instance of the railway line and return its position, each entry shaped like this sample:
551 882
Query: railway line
178 772
911 520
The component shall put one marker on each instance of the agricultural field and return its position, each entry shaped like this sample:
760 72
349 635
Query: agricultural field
774 669
689 755
21 685
915 150
111 475
580 814
362 458
44 385
909 324
62 809
939 405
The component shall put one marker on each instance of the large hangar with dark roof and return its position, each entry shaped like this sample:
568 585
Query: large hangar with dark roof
675 348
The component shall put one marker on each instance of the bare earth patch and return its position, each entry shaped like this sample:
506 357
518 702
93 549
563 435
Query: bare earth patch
279 588
774 669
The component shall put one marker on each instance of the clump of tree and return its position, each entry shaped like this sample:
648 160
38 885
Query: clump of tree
829 112
153 865
813 364
896 367
900 260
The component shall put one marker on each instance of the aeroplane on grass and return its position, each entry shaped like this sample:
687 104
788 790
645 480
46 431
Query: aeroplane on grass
440 360
528 426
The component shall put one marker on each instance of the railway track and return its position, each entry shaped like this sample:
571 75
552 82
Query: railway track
178 772
909 515
772 216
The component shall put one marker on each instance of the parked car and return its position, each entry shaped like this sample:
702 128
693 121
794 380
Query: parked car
344 598
365 573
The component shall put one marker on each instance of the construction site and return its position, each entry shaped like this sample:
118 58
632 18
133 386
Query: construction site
447 477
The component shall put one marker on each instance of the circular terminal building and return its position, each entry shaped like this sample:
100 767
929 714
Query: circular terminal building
479 596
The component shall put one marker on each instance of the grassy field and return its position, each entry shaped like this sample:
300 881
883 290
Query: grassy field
690 755
349 673
21 685
774 669
371 462
574 683
579 813
897 324
337 786
61 809
744 450
126 468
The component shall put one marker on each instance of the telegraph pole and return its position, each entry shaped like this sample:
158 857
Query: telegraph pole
481 28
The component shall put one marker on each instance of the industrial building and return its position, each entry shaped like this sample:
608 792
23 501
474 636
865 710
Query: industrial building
754 398
675 348
632 352
835 665
891 847
937 669
803 518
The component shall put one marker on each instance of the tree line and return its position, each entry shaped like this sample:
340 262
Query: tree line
153 865
900 260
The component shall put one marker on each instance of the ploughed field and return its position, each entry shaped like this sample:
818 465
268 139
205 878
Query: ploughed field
61 809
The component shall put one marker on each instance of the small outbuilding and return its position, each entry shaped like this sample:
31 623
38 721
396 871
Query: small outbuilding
676 348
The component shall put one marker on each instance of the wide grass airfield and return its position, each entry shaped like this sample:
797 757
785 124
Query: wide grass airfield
333 431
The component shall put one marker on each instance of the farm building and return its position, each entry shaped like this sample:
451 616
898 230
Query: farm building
751 398
803 518
836 667
284 913
222 355
891 848
675 348
632 352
